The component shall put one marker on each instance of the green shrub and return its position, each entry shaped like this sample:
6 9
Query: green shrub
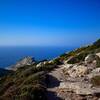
78 58
33 92
57 61
95 81
35 78
98 62
97 43
11 86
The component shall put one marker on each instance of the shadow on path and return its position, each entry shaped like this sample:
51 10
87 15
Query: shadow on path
52 96
52 83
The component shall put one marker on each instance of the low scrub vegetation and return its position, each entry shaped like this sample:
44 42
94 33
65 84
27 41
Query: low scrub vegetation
95 81
79 54
78 58
27 83
98 62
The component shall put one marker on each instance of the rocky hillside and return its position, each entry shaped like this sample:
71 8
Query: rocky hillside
28 82
21 63
71 76
79 77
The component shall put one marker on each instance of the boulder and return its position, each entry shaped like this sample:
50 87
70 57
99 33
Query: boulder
41 63
78 71
97 70
51 61
94 72
90 58
98 54
67 66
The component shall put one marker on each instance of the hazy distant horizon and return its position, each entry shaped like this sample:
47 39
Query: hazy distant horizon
77 45
11 55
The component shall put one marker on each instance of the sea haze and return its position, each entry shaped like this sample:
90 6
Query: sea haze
10 55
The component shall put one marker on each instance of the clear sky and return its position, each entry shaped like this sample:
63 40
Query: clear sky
49 22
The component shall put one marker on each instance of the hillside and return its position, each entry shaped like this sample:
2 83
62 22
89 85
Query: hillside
71 76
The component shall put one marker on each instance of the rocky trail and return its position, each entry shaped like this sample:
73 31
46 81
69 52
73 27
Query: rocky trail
55 77
73 82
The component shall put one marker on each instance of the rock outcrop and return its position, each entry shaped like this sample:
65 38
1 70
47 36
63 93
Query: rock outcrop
90 58
78 71
80 88
78 78
23 62
41 63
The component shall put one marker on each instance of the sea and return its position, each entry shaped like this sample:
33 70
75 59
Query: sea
9 55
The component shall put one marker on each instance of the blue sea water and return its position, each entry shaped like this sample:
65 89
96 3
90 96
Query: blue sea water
10 55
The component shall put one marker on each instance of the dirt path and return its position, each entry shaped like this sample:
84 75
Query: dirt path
55 77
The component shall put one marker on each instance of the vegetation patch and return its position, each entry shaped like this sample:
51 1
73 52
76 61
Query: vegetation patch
78 58
79 54
98 62
26 83
95 81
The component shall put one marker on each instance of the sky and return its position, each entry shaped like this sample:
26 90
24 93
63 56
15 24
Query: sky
49 22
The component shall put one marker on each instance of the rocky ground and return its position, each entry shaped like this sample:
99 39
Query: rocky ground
73 81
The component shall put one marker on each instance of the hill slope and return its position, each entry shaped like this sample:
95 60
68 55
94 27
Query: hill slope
42 80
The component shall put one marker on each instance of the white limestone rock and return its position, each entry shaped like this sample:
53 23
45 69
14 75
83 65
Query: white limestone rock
68 66
97 70
79 88
94 72
90 58
42 63
78 71
98 54
23 62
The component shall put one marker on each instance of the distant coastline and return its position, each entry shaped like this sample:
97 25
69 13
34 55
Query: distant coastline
9 55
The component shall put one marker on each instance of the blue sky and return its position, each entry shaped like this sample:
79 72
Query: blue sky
49 22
